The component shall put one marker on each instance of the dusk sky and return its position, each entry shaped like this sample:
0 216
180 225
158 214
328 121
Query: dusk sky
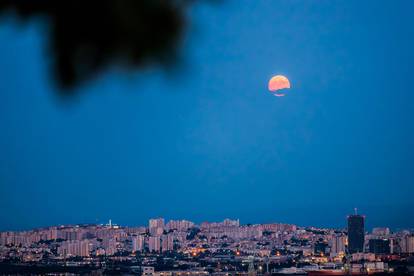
206 140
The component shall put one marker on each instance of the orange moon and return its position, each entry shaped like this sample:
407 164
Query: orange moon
277 83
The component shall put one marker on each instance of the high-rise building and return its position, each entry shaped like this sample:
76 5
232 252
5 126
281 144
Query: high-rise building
138 243
154 244
381 231
167 243
110 246
179 225
356 233
379 246
158 222
75 248
338 244
156 226
407 244
229 222
52 234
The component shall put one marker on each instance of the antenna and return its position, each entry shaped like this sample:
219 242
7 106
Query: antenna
356 211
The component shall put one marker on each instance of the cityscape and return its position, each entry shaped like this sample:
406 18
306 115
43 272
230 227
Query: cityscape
206 137
181 247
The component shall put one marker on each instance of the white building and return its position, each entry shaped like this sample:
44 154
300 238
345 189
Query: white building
381 231
75 248
179 225
338 244
156 226
138 243
154 244
407 244
167 243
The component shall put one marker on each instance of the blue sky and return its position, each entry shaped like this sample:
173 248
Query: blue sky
207 141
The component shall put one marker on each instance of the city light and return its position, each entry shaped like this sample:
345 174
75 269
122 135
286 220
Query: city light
142 246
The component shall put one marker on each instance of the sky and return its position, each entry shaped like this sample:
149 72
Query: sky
206 140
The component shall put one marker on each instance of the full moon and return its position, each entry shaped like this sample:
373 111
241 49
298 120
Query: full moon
278 83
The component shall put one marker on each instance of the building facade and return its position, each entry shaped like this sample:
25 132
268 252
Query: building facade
356 233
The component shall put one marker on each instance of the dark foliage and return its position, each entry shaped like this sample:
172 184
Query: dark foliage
88 36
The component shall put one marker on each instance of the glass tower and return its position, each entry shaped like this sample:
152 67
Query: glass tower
356 233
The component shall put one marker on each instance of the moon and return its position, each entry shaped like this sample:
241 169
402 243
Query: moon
278 83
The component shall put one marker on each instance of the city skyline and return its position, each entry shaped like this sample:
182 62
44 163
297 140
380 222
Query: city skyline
166 220
205 139
178 247
156 227
340 222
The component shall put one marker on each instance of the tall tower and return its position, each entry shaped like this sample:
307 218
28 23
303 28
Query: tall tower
356 233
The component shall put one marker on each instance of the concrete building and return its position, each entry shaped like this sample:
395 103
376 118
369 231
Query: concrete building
337 244
75 248
381 231
179 225
407 244
156 226
154 244
167 243
138 243
110 246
